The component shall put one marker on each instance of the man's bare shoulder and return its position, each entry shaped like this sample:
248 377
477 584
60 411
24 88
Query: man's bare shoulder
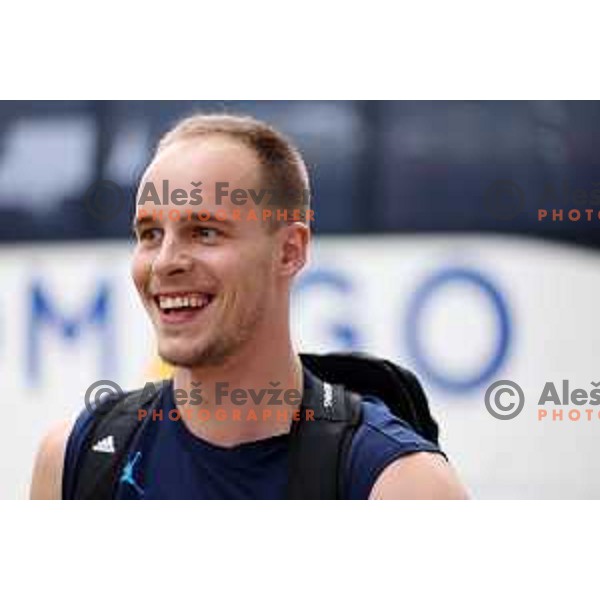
418 476
46 483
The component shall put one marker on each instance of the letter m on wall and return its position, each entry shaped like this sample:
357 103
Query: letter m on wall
45 317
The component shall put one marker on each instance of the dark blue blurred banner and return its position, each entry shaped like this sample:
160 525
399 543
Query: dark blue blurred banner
376 166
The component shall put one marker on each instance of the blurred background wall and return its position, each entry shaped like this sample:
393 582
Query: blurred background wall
429 250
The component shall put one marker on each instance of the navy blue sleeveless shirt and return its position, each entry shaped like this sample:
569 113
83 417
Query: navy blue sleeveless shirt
172 463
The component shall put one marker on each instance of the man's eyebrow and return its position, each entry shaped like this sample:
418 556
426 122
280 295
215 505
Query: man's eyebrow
212 219
141 221
185 217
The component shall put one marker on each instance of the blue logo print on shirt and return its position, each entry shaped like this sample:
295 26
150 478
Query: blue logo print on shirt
127 474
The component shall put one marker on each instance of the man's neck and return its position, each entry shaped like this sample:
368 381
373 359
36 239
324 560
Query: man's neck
247 398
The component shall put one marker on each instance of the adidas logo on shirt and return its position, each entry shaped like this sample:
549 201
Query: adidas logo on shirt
106 444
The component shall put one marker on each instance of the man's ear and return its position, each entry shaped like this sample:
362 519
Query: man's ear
294 240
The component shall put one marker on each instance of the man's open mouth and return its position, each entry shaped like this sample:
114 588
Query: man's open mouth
171 304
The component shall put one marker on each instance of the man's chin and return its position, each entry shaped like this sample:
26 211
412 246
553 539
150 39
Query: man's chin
199 357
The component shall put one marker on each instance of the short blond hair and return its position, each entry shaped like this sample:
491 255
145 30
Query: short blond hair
284 169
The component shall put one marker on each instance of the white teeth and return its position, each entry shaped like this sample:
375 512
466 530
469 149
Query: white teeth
194 301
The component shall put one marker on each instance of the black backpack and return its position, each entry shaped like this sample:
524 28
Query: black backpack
318 448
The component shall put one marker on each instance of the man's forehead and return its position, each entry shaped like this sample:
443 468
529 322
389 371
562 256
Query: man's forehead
201 174
208 159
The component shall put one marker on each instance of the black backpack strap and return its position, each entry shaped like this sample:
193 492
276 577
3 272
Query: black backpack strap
334 386
320 440
116 420
371 376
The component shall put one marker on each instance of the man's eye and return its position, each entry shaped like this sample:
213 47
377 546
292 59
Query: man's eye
207 233
151 234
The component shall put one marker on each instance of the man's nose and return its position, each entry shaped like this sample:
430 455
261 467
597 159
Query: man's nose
172 259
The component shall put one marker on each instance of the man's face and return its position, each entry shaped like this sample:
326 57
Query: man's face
208 286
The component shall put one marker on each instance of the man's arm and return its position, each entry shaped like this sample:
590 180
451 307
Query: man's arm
418 476
46 483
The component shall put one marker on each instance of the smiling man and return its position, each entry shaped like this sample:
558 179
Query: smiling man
214 272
